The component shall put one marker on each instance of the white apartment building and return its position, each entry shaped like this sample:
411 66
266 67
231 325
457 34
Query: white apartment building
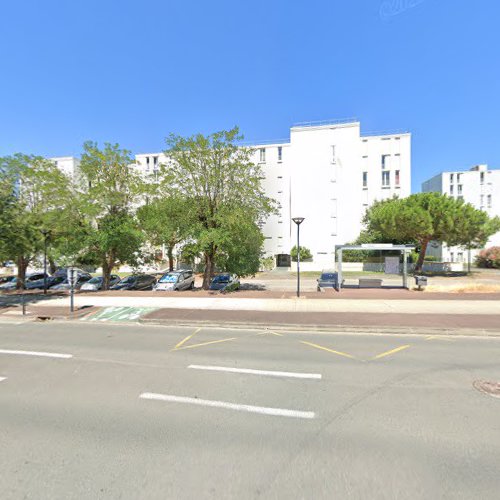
478 186
68 165
329 173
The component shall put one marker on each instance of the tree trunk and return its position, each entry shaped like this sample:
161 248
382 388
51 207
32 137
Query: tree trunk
52 265
22 265
209 270
108 263
170 253
421 256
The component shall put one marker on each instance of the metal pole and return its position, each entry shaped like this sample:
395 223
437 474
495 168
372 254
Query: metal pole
468 259
339 269
45 263
405 269
298 260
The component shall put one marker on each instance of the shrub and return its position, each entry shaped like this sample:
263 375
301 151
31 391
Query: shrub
305 254
267 264
489 257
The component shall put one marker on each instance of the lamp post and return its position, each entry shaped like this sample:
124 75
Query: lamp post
298 221
45 233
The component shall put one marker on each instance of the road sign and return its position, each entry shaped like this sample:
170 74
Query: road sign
72 276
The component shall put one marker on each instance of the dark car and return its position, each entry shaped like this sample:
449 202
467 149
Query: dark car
65 285
136 282
39 283
328 279
225 282
28 282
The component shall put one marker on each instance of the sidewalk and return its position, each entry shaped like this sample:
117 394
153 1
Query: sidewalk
423 306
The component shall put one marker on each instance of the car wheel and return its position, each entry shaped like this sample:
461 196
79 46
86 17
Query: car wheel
191 286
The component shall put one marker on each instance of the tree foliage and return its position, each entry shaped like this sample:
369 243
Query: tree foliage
424 217
223 185
111 189
34 196
305 253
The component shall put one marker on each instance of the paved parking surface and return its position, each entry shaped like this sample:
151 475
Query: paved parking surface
103 410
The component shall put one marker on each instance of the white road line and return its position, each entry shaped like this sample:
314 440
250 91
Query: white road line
278 412
34 353
2 379
250 371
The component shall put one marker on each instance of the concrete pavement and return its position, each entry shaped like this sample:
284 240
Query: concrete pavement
388 416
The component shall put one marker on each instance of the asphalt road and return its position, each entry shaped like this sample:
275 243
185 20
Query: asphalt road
118 411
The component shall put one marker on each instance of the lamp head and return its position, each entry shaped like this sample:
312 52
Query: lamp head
298 220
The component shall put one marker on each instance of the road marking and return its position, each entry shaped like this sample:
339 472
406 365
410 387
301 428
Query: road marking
202 344
276 333
251 371
187 338
278 412
392 351
439 337
328 350
34 353
2 379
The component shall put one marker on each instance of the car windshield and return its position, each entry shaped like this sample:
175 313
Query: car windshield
128 279
328 277
95 280
169 278
222 278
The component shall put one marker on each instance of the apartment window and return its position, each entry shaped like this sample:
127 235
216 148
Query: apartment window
155 161
147 162
482 200
384 161
458 177
280 153
334 157
396 177
262 155
386 178
451 189
451 178
365 179
459 189
452 257
481 177
460 257
489 201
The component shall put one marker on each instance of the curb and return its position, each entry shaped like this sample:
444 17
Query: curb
361 330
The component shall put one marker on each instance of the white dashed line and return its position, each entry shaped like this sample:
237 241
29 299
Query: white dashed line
278 412
35 353
250 371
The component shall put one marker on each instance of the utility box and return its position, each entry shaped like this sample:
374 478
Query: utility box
421 281
283 260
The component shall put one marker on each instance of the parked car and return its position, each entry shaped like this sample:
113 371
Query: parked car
30 278
96 282
225 282
65 285
328 279
6 279
136 282
63 271
51 281
176 280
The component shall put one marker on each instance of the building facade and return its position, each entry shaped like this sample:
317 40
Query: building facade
328 173
478 186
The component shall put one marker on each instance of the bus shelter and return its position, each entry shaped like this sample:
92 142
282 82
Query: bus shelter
387 247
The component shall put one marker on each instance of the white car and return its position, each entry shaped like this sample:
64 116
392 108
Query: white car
175 280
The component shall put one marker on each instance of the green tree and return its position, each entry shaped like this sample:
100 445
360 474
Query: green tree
424 217
34 195
112 188
305 253
222 183
167 221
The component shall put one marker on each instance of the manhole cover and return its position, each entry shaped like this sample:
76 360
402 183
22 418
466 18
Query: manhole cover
488 387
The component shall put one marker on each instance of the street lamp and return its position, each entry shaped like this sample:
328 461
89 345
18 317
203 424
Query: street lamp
298 221
45 233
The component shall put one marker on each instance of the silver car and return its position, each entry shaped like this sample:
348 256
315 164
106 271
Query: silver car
175 280
96 282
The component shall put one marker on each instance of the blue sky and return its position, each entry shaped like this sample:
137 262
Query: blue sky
133 71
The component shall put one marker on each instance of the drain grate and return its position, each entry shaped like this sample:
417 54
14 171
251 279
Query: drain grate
488 387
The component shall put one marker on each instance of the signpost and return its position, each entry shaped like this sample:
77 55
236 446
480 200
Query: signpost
72 279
